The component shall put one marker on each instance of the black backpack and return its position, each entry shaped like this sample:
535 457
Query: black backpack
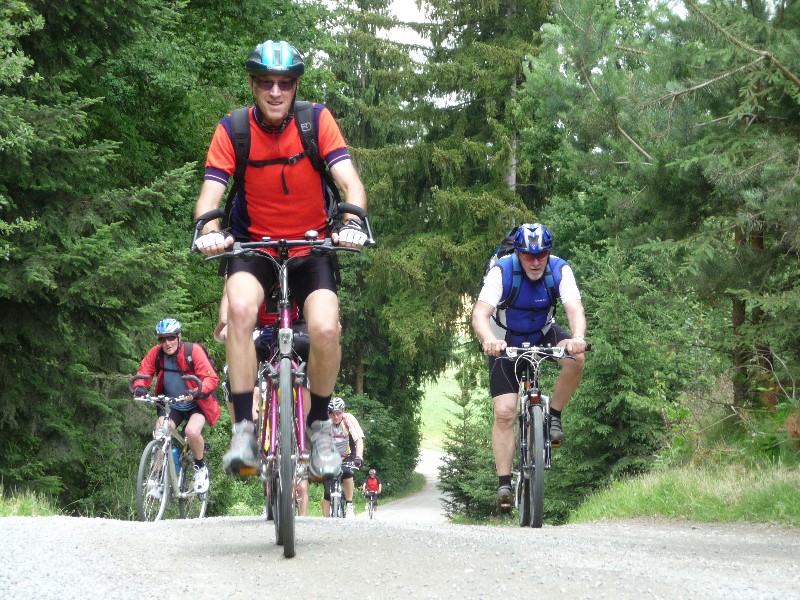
304 120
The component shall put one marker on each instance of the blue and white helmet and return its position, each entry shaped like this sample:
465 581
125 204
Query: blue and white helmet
533 238
168 327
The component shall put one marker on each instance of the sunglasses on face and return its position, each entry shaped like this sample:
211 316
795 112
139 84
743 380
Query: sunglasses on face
284 85
167 338
532 256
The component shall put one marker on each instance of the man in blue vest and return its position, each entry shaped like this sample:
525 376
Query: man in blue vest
510 311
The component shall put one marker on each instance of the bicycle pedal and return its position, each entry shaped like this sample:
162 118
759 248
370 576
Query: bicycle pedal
247 471
555 444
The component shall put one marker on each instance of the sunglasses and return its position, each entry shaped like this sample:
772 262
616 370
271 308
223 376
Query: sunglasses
167 338
537 256
284 85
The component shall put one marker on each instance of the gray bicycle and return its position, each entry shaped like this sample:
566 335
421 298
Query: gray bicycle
166 468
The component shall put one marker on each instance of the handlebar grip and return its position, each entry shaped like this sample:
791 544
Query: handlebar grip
352 209
138 377
217 213
199 391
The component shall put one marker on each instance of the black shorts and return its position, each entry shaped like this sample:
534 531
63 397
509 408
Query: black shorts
178 416
502 379
306 274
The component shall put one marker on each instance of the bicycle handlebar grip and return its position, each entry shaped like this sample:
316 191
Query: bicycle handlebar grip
200 221
137 377
199 391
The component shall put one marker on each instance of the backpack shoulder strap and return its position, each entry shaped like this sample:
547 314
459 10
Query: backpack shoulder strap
159 360
306 127
550 282
516 282
188 347
304 119
240 135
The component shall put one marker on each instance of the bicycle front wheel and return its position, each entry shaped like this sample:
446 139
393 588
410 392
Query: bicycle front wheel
371 506
536 439
288 457
191 505
152 486
523 487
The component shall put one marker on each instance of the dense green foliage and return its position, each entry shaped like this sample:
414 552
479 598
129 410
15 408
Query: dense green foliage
661 150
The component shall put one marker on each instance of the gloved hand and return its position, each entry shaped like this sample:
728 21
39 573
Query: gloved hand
352 233
209 240
140 391
357 461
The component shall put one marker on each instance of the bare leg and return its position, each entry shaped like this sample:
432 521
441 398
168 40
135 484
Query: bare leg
505 412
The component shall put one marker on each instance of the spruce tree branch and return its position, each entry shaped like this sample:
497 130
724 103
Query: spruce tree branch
737 42
705 84
617 126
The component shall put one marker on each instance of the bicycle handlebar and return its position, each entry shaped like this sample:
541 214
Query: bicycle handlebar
311 237
161 398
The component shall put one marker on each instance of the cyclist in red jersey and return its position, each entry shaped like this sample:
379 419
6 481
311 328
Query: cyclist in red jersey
282 199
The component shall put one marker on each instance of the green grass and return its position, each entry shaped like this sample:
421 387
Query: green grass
437 409
723 494
26 504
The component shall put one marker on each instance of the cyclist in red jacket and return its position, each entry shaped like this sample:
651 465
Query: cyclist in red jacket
167 360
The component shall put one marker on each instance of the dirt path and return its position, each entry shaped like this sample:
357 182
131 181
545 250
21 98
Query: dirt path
423 507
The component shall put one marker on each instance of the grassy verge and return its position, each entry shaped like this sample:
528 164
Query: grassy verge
25 504
723 494
437 409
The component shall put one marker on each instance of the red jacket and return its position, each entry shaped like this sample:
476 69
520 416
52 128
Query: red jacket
202 370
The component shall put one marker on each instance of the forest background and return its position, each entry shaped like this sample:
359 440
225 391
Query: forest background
658 141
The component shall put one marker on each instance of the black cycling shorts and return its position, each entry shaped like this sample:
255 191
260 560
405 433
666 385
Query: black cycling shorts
306 274
502 379
178 416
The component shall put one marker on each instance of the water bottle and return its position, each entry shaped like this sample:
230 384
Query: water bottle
177 460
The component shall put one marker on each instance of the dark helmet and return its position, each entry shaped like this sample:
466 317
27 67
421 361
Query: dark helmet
168 327
533 238
275 58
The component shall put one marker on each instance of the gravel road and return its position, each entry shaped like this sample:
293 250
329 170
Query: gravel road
389 557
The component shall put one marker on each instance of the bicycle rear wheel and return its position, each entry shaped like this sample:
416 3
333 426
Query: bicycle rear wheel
536 440
523 487
152 487
190 505
288 458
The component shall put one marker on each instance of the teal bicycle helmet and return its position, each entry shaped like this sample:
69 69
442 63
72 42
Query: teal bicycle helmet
275 58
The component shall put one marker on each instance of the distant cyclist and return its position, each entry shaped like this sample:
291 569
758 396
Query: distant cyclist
348 437
372 485
529 318
167 360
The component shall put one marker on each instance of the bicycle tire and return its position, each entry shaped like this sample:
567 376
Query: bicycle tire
536 437
288 457
148 507
523 487
371 506
190 505
263 441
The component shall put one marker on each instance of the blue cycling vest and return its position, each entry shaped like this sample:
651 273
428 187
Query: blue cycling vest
529 316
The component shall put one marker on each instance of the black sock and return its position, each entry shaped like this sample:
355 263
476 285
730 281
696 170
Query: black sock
555 413
319 409
504 480
200 462
242 406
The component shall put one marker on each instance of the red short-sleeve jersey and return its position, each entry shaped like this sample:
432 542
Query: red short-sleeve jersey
278 200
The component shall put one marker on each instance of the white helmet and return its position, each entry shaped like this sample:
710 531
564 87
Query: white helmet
336 404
